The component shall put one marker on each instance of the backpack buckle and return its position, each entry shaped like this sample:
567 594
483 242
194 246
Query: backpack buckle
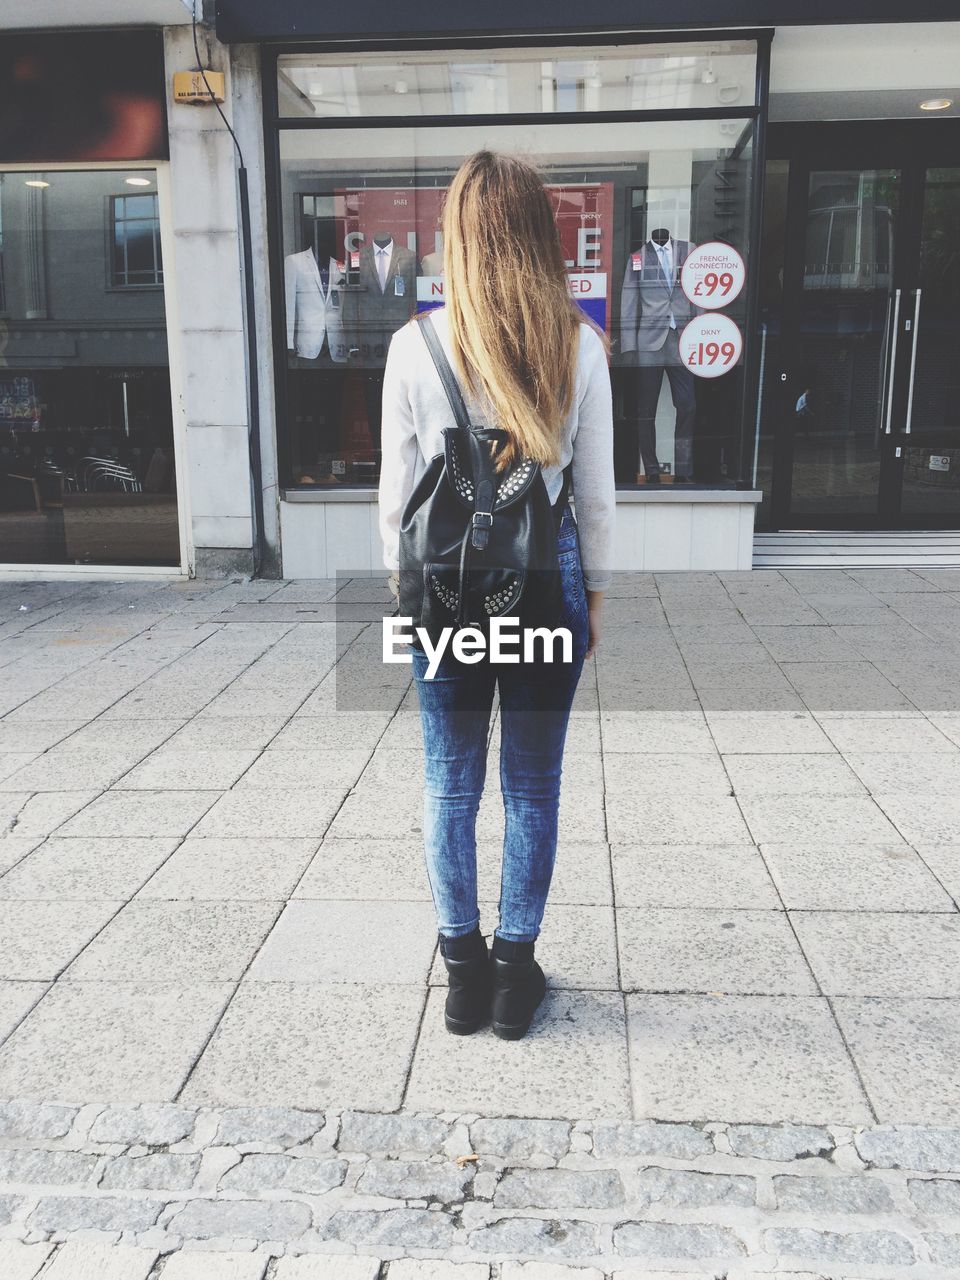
481 525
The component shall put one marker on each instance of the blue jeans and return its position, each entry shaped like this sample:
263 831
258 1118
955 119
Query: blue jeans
535 706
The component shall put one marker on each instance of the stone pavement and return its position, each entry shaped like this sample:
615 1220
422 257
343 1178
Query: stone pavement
212 898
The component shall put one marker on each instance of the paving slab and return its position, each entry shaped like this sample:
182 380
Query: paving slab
691 949
668 819
746 1059
238 868
930 818
150 813
41 938
696 875
207 1265
665 774
177 941
349 942
814 819
906 1052
256 812
306 1045
792 773
175 767
101 1262
782 732
361 870
78 867
855 877
41 813
20 1261
331 768
915 735
127 1041
16 1001
906 953
63 769
573 1058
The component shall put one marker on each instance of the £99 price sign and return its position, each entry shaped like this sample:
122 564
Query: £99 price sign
710 345
712 275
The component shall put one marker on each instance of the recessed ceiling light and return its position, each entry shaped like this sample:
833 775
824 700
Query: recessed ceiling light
137 182
35 182
936 104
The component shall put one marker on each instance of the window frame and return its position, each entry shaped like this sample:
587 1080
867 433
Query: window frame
274 124
114 285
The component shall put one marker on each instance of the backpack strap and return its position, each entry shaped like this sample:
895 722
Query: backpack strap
447 376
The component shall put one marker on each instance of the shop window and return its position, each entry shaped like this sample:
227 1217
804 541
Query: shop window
3 290
135 230
653 217
86 438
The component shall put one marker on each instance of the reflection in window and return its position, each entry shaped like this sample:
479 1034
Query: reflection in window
87 467
3 291
136 241
694 75
362 253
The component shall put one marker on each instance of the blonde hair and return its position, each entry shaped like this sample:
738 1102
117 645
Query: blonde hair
513 325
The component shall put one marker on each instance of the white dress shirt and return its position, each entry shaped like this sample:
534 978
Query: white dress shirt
383 254
665 254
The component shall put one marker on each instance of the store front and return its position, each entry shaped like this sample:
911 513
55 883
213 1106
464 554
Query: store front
87 459
805 195
649 150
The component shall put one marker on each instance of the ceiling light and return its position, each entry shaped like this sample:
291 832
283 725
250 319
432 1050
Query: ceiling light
400 86
137 182
36 182
936 104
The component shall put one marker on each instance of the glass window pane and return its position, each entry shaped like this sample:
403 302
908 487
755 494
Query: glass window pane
613 186
654 77
86 436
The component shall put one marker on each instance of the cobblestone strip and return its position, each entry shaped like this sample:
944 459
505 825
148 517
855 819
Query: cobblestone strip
282 1194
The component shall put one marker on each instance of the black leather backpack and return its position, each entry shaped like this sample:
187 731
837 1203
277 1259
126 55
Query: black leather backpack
476 543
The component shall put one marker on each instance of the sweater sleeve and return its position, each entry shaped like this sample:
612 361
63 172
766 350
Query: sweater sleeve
594 491
399 448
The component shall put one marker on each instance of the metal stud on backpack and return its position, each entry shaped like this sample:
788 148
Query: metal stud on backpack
476 543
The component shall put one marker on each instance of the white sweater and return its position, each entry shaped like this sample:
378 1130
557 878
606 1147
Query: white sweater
415 411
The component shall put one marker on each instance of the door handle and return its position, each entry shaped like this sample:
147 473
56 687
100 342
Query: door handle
891 363
913 362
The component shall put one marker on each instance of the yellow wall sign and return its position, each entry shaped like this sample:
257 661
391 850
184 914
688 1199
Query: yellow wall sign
188 86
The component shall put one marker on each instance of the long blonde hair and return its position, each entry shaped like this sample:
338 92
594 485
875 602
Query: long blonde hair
513 324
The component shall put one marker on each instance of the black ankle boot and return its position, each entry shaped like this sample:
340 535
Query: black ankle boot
518 988
468 974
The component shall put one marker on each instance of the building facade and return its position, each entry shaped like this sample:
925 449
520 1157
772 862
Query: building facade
759 205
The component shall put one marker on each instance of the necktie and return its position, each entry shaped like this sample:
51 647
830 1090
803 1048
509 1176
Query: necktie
382 267
324 277
664 252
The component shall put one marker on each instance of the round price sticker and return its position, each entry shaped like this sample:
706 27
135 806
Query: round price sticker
710 345
712 275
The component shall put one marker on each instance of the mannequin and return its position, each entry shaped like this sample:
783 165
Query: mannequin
653 312
383 300
313 282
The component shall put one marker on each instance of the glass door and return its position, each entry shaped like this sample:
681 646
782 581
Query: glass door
846 317
926 437
861 394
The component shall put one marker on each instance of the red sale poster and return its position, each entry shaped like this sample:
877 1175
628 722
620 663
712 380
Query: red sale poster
411 215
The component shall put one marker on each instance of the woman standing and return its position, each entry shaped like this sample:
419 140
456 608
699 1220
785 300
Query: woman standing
529 363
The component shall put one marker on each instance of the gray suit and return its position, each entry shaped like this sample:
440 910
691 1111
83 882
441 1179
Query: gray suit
647 299
647 302
371 315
